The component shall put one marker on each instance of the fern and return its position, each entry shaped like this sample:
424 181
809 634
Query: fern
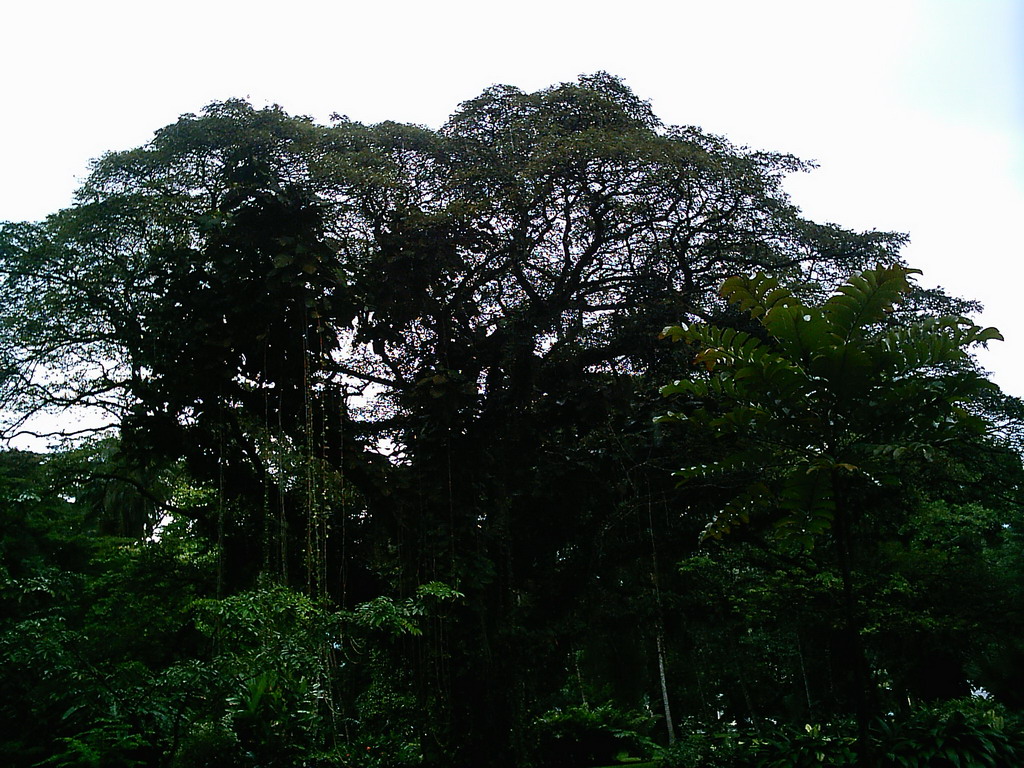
931 342
808 500
739 463
724 345
867 298
756 295
755 498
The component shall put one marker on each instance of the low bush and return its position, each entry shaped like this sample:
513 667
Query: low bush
575 737
706 750
972 733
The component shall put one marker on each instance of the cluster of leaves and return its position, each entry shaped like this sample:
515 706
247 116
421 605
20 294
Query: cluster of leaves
970 733
580 736
826 395
95 637
119 653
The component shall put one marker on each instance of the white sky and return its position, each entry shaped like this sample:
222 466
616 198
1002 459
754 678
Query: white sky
913 108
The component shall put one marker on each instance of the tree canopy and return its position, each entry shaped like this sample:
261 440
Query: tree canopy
372 413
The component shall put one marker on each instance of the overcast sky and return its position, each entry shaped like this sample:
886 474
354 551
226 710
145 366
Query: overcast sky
913 109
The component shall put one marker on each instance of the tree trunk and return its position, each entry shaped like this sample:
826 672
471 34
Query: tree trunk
664 687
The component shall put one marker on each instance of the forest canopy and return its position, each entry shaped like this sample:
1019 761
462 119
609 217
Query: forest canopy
373 464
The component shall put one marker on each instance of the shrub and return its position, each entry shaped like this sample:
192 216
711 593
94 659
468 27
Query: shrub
812 746
580 736
972 733
705 750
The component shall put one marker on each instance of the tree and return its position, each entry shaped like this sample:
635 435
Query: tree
387 355
826 409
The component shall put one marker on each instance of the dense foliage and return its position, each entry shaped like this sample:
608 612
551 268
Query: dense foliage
358 459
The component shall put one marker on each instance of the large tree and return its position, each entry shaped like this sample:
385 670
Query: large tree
397 355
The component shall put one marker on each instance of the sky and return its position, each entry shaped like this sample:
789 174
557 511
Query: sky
913 109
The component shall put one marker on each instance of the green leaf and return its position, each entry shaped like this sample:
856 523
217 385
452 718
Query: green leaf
757 295
754 498
867 298
801 331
